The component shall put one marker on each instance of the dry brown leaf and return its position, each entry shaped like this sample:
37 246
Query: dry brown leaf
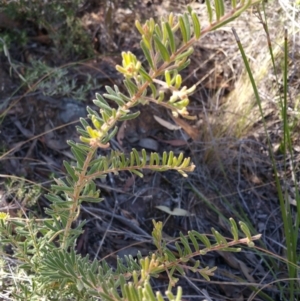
246 271
121 133
191 131
175 211
54 141
232 261
176 142
129 183
25 132
233 293
167 124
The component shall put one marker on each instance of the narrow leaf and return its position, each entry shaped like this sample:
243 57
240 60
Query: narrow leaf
154 90
137 157
145 75
79 156
196 24
136 172
83 122
171 37
183 30
129 116
110 135
234 229
147 54
183 65
101 102
193 240
220 239
184 241
70 171
131 86
187 26
203 239
158 32
118 100
162 49
175 211
62 188
209 10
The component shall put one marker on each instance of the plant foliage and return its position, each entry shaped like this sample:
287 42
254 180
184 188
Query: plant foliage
45 248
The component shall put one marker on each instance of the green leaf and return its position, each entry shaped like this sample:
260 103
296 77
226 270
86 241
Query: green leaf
70 269
219 8
131 86
62 188
136 172
154 90
137 157
194 241
50 226
246 231
144 155
184 241
101 102
183 65
83 122
90 199
183 30
222 7
145 75
196 25
202 238
149 292
209 10
110 135
146 41
70 171
80 158
220 239
105 115
92 112
162 49
180 270
18 223
234 229
133 292
82 147
82 132
124 97
53 198
171 37
170 159
104 296
185 54
139 27
158 32
129 116
117 99
187 25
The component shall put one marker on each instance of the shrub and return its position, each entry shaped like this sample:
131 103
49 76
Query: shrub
44 249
